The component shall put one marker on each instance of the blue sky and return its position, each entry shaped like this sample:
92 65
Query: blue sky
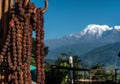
71 16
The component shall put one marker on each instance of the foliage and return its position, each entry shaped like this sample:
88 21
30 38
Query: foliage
32 59
58 76
101 73
61 76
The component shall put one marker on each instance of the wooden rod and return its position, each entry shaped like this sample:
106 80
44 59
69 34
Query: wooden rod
46 6
6 6
0 9
11 4
26 2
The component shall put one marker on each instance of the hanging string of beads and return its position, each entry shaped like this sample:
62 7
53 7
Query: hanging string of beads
22 18
39 46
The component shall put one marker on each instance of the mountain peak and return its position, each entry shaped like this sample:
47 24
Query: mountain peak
94 32
117 28
95 27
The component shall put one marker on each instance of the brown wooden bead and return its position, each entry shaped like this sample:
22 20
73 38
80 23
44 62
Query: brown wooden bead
18 68
2 53
2 77
16 82
14 59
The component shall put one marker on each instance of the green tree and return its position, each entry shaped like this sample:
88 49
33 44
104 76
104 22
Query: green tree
61 76
99 72
110 72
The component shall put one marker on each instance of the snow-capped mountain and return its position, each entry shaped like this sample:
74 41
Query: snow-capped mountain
92 30
92 33
95 32
89 44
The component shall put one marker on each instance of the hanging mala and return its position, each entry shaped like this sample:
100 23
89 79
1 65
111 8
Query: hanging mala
40 47
18 18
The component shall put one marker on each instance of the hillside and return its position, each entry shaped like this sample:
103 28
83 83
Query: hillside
106 55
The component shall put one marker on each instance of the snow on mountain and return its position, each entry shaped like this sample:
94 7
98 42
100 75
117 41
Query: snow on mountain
91 37
117 28
93 31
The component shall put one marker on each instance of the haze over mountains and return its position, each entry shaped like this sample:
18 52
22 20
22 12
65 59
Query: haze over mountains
87 41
